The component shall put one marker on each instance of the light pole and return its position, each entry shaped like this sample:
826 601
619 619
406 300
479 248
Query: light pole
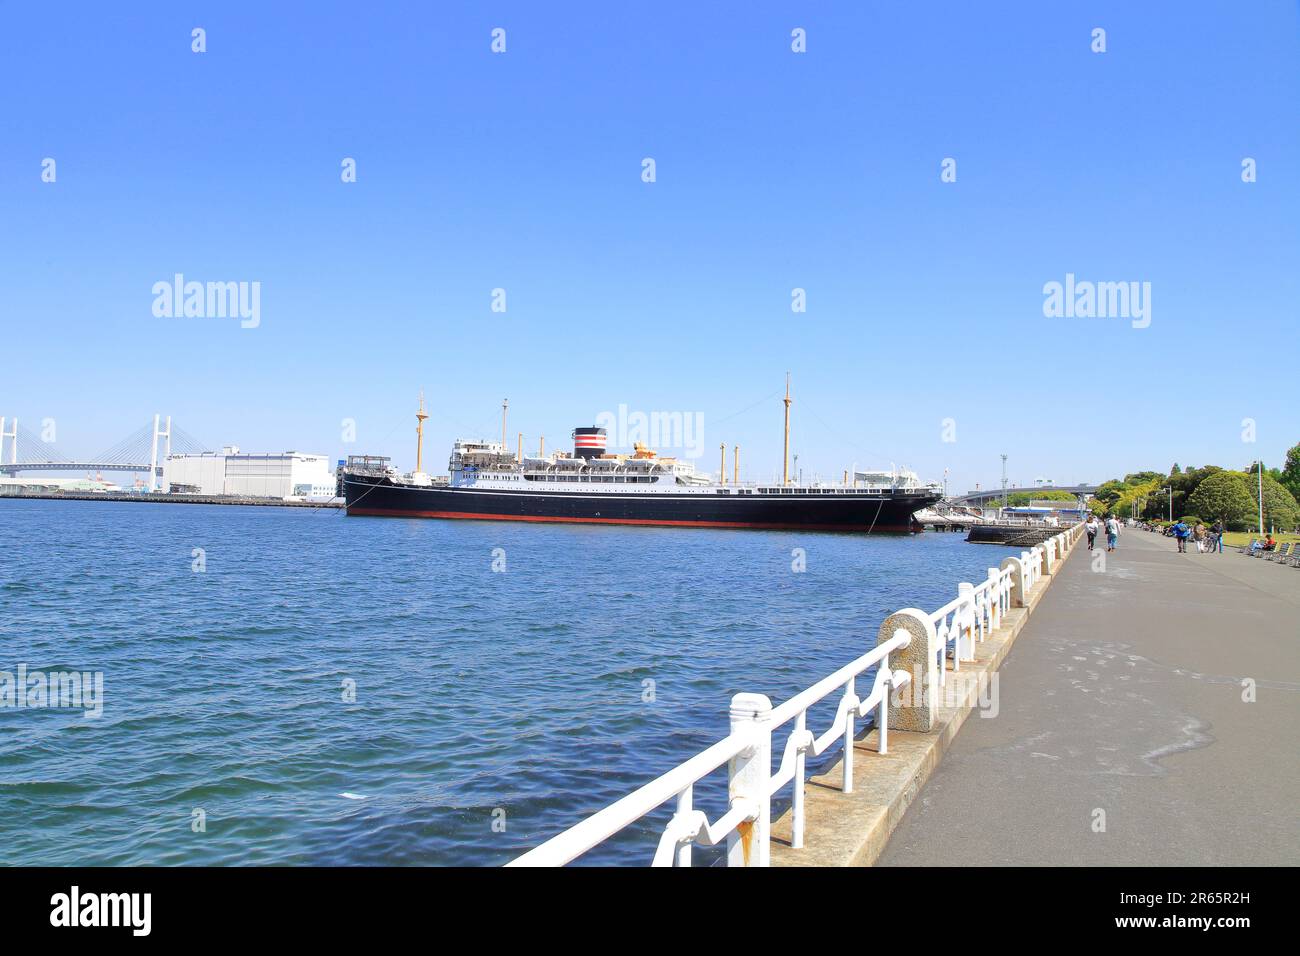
1260 473
1004 482
1170 489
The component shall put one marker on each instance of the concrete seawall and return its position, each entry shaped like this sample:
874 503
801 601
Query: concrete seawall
852 829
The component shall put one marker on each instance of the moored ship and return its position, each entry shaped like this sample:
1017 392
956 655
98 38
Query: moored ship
487 481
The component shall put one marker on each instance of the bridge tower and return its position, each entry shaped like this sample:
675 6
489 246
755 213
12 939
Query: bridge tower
13 455
153 458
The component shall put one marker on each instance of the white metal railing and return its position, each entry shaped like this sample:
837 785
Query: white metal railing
968 618
747 749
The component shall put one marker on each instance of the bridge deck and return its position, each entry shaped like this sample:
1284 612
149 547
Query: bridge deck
15 468
1124 693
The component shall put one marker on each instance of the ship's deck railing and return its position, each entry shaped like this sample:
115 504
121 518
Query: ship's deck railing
747 750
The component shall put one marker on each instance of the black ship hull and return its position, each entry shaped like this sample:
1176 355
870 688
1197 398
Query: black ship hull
797 509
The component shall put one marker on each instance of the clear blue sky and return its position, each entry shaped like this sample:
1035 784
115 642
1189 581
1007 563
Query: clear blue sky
774 171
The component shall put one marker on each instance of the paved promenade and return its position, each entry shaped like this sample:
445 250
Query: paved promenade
1124 694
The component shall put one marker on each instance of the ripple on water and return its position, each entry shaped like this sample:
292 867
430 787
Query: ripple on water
320 656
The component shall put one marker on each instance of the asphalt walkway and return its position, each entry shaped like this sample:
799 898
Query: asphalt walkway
1124 695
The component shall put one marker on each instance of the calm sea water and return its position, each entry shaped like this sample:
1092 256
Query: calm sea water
481 696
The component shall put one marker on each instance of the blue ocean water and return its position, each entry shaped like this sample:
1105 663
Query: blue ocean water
492 708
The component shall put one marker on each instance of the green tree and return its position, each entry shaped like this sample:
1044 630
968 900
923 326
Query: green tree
1280 509
1143 477
1053 496
1291 473
1136 500
1109 492
1185 483
1156 507
1253 468
1222 495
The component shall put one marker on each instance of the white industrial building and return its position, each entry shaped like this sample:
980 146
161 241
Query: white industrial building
289 474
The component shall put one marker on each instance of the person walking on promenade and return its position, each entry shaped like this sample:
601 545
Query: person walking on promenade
1216 540
1198 534
1181 531
1112 532
1092 527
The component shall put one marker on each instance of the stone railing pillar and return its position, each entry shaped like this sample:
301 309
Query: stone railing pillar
911 707
1019 593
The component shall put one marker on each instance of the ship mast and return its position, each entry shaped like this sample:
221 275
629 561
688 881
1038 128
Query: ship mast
505 404
420 416
785 454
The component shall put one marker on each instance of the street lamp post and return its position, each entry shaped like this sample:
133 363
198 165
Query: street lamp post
1004 482
1260 475
1170 489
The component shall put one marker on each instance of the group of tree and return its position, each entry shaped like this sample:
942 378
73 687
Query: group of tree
1019 499
1209 494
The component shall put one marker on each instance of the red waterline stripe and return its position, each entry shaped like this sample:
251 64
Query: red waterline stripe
405 513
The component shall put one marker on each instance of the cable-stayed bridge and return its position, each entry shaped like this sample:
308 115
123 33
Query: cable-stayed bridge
144 450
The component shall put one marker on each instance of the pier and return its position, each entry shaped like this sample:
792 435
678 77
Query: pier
1025 535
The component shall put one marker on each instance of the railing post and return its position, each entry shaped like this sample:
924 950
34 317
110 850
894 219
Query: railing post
1045 565
850 695
965 616
995 600
911 707
882 721
749 778
685 804
1019 592
800 759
